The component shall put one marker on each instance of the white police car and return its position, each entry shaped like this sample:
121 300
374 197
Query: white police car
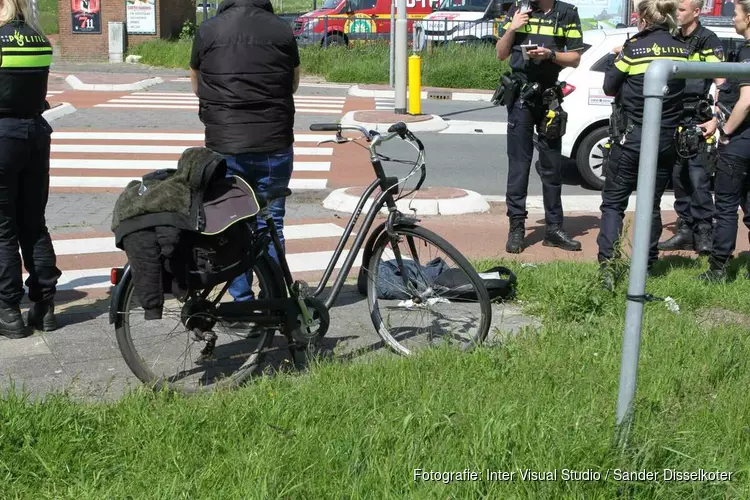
589 109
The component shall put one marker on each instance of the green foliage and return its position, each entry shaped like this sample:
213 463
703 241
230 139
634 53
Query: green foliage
453 66
543 400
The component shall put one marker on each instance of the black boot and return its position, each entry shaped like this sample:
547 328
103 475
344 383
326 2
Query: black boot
42 316
11 322
607 276
716 272
555 236
682 240
703 239
515 236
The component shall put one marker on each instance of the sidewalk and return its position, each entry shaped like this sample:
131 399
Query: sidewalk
427 93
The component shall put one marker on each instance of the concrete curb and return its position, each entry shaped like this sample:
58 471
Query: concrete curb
581 203
339 200
435 124
357 91
77 84
58 112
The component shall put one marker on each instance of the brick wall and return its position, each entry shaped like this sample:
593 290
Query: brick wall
170 16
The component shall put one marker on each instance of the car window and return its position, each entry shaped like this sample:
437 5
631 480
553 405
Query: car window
601 64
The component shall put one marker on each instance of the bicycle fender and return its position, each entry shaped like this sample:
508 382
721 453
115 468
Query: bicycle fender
117 294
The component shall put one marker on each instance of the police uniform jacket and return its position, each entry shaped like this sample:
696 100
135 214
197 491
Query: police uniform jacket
703 46
625 74
729 91
559 30
25 58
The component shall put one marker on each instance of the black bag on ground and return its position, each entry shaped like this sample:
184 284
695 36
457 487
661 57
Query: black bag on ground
451 283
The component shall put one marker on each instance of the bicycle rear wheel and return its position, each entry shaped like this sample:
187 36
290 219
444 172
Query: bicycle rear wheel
438 279
165 354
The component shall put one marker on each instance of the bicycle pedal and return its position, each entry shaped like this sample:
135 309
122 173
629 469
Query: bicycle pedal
301 289
205 336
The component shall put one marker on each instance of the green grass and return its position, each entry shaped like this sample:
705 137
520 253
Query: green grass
542 401
453 66
48 16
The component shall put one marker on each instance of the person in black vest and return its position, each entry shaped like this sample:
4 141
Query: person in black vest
554 28
25 136
624 78
732 182
692 173
245 71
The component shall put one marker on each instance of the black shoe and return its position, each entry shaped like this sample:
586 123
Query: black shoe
703 240
555 236
515 237
11 323
607 277
682 240
42 316
716 272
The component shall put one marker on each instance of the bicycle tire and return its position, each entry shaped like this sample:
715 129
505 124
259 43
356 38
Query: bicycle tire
265 272
450 251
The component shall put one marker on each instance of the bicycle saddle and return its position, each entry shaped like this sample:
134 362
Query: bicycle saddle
267 197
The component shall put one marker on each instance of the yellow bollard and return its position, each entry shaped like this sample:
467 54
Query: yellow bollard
415 85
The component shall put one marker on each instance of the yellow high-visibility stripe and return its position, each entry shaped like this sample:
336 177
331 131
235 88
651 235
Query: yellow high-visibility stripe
641 67
622 66
543 30
26 61
643 60
712 58
26 49
574 34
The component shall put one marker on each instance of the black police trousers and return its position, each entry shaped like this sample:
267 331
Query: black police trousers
521 122
24 188
621 179
692 192
731 187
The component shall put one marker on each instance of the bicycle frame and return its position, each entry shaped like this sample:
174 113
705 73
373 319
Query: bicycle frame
395 218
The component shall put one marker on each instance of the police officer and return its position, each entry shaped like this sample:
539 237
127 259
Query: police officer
623 79
25 57
692 173
551 30
733 168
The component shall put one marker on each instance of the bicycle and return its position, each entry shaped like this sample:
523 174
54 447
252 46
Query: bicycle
289 306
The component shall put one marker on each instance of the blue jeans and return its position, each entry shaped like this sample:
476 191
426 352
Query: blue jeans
262 171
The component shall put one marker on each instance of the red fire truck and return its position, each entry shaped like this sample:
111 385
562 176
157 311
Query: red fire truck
340 22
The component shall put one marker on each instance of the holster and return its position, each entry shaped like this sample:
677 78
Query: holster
619 124
554 123
689 141
698 112
708 157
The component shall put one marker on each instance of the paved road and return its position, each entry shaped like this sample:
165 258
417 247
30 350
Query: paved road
476 161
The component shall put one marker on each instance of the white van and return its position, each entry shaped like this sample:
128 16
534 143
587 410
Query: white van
458 21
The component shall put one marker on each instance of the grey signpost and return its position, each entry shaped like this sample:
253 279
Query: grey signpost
392 41
399 70
654 88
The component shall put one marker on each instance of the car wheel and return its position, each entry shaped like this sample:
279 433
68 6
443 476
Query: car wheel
335 40
590 157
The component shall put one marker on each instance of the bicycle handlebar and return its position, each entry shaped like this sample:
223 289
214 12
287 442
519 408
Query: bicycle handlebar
375 138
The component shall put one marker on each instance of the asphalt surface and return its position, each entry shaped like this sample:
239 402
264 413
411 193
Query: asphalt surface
477 162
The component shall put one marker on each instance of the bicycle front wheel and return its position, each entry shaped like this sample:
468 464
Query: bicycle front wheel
423 292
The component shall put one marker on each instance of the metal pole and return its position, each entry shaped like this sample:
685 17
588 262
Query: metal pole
654 88
391 52
400 58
